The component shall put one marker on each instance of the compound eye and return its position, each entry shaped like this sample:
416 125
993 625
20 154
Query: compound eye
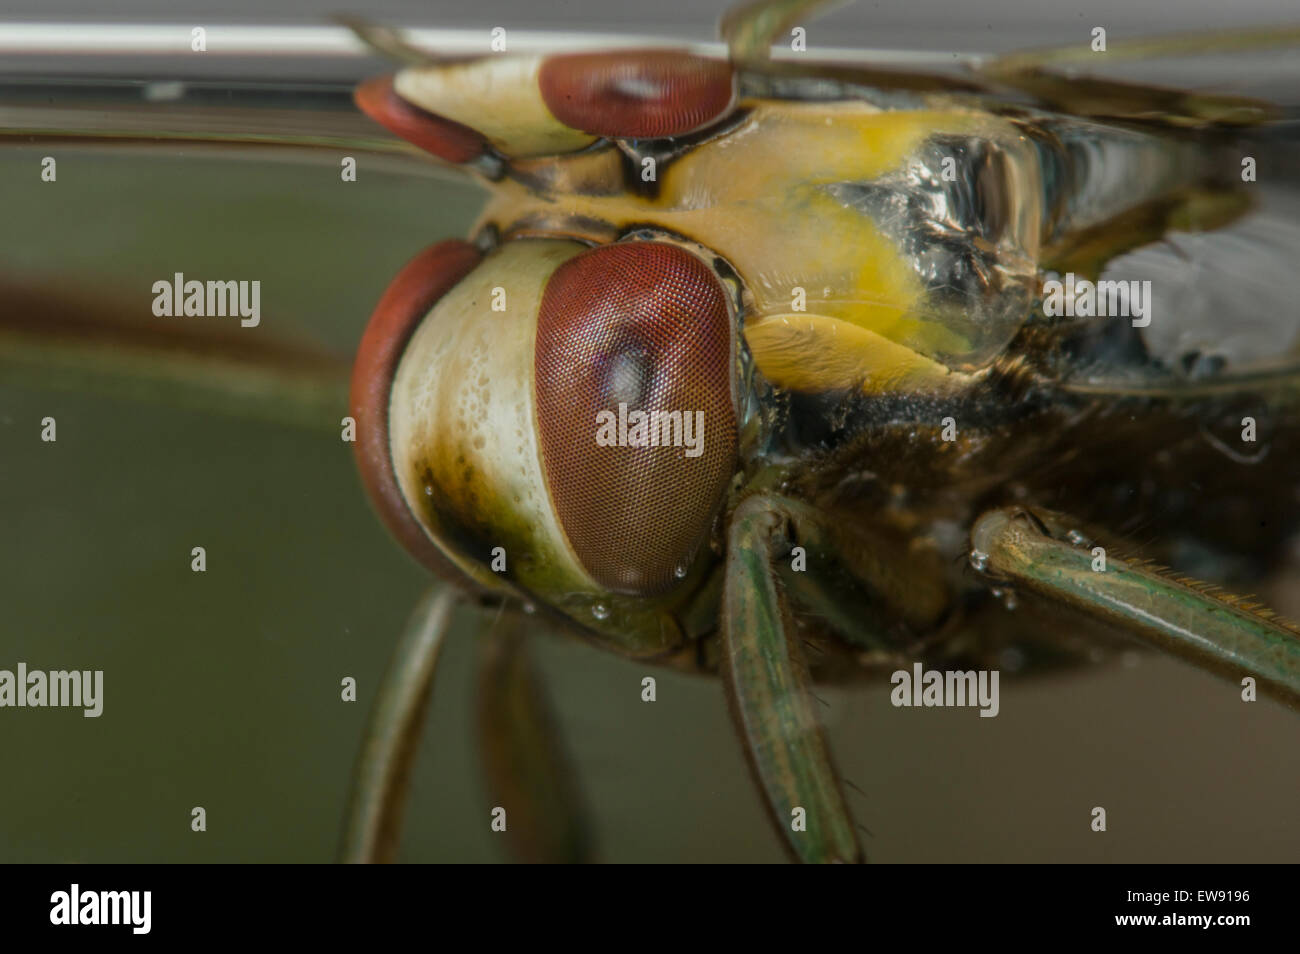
635 411
405 303
639 94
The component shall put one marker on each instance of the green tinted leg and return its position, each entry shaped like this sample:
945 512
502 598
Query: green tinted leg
1218 633
527 770
379 785
768 689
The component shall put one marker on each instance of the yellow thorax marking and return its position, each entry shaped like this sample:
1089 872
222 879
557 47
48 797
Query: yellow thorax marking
757 196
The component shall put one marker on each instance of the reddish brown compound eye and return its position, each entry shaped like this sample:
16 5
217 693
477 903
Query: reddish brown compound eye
405 303
445 139
635 409
637 94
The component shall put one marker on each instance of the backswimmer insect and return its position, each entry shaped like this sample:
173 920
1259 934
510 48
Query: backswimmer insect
958 379
799 372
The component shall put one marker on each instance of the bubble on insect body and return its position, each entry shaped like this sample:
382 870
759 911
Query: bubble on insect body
1075 538
680 572
979 560
600 611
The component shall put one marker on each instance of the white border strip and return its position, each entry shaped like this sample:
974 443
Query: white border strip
143 39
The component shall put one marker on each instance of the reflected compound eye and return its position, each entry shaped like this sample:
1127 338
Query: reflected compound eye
641 94
635 410
406 302
444 138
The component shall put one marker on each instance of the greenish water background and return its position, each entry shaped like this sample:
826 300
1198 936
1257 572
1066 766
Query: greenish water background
223 689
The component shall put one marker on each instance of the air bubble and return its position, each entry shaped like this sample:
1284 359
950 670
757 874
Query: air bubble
979 560
1009 600
1076 538
600 611
680 572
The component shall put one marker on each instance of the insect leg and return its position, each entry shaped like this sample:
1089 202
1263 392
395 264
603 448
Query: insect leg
1218 633
48 338
1139 49
767 686
750 29
527 769
379 784
1056 77
384 41
906 586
